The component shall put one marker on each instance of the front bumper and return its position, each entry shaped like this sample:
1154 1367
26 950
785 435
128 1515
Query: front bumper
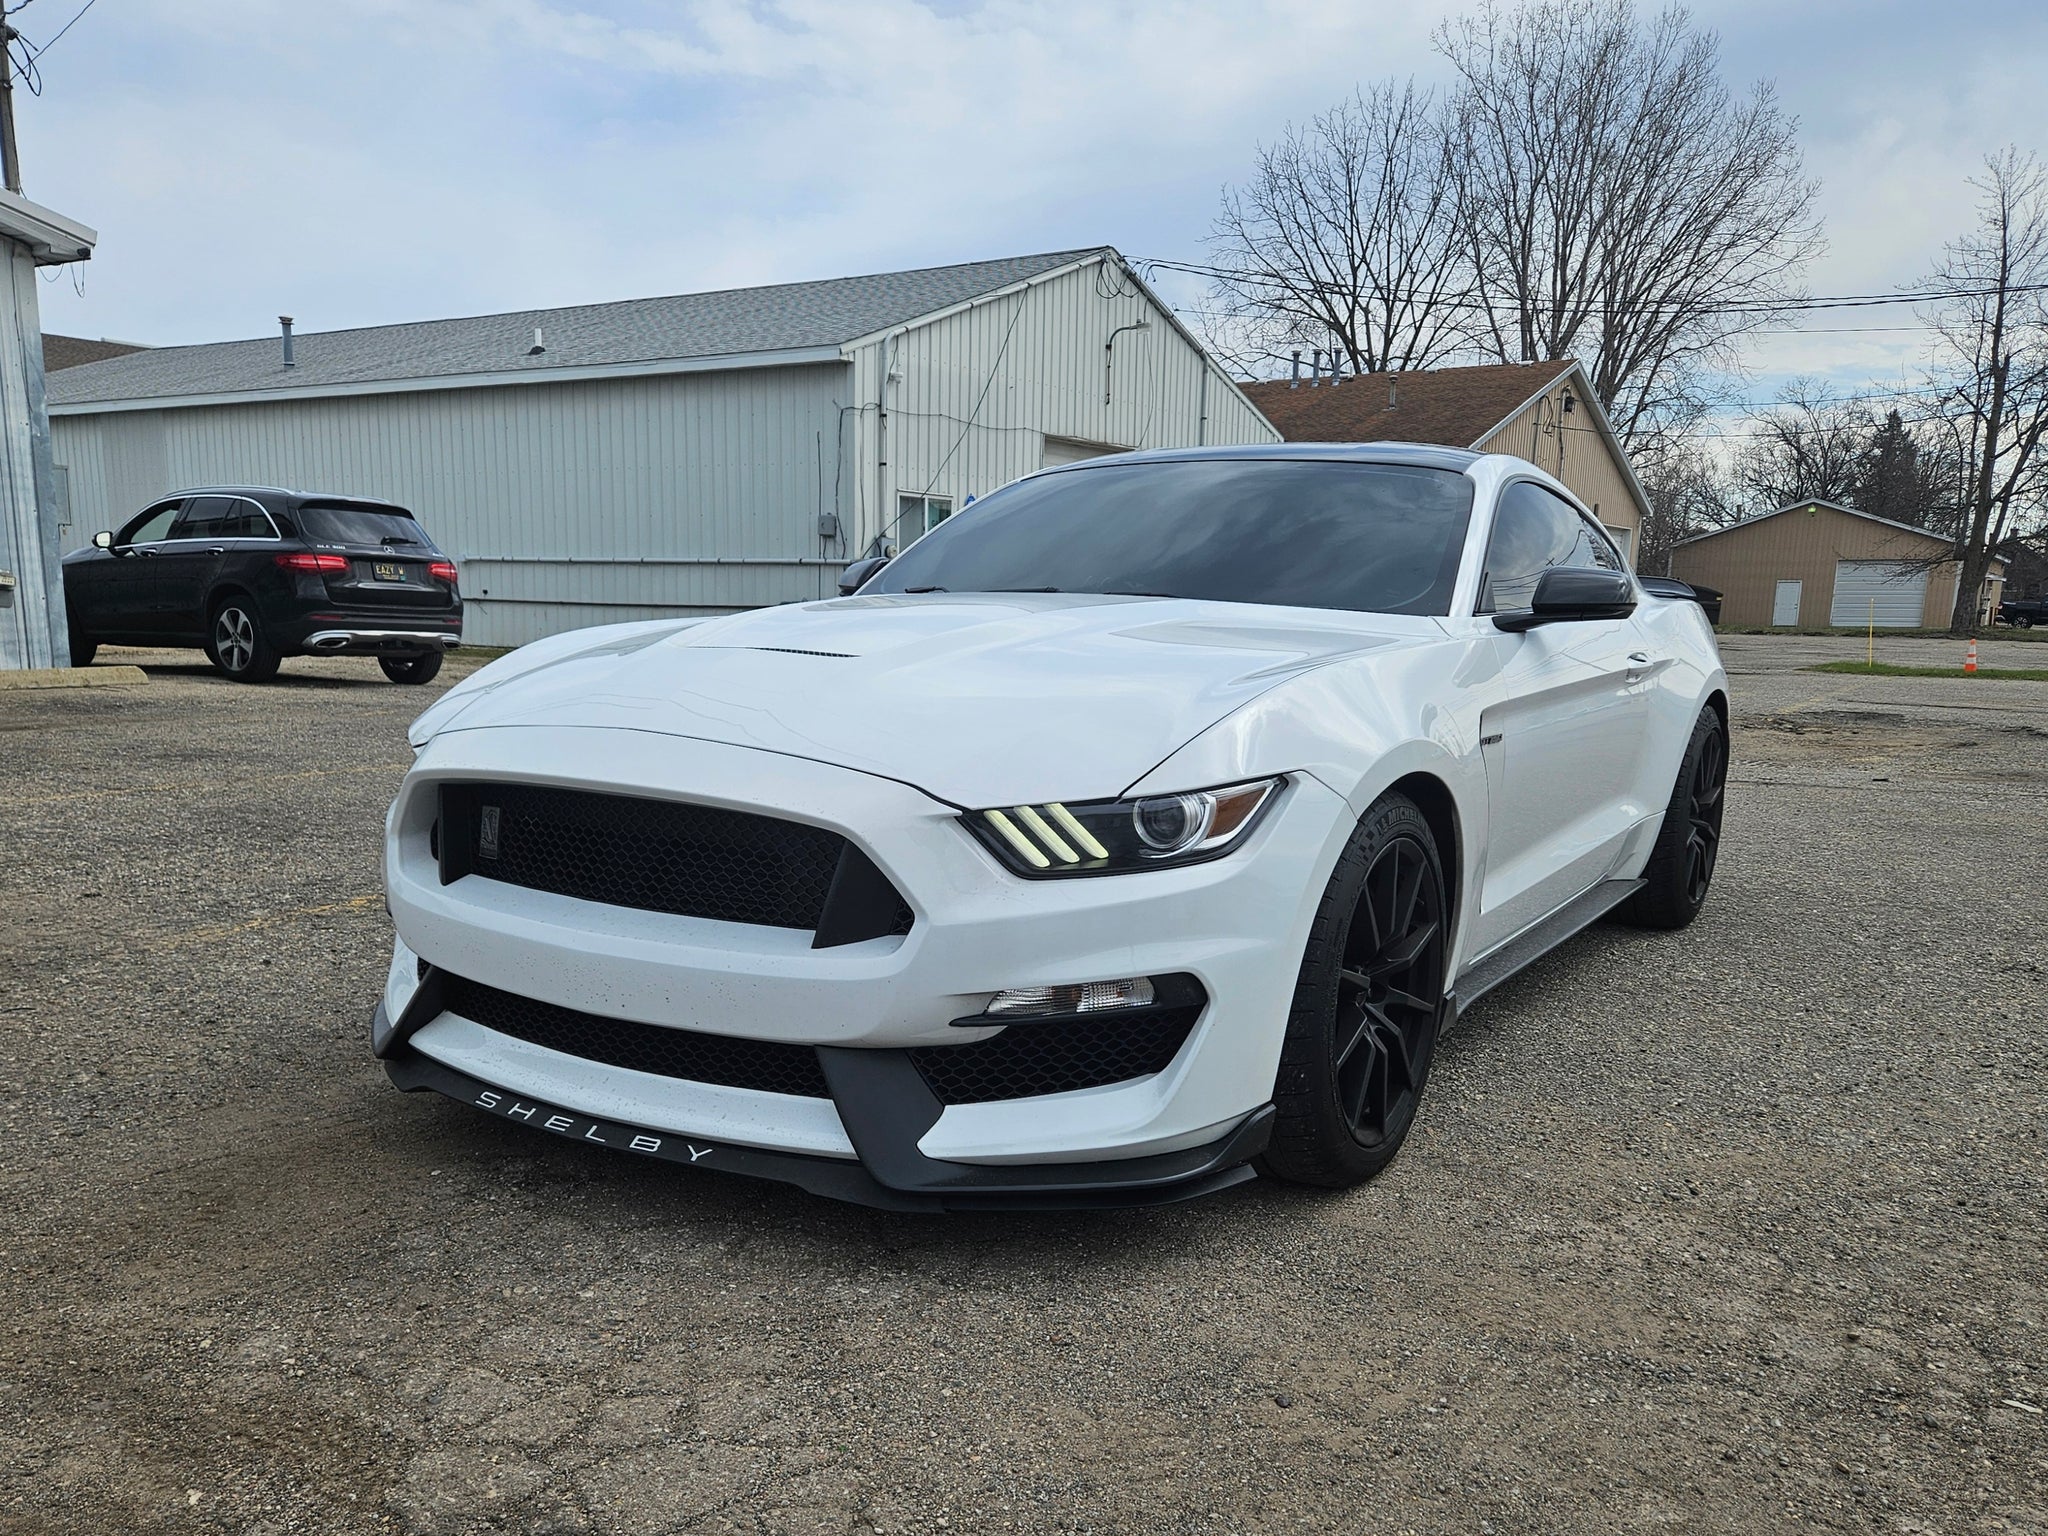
885 1106
1238 925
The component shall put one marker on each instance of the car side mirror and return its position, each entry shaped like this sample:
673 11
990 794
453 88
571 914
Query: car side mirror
1571 594
103 540
858 574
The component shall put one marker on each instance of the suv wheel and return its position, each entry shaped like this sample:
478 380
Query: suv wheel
411 669
236 645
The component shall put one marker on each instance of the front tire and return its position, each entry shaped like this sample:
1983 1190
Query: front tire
236 644
1367 1006
1688 845
411 669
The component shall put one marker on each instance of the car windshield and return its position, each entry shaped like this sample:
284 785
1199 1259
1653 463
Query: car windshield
332 524
1372 538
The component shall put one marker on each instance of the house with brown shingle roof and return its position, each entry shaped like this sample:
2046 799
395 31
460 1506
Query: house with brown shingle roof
1543 412
70 351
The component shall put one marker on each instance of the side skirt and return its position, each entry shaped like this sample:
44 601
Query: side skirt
1536 941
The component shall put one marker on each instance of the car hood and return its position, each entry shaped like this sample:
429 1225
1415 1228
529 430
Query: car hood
977 699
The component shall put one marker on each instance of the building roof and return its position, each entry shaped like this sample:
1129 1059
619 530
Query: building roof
71 351
729 323
1832 506
1457 407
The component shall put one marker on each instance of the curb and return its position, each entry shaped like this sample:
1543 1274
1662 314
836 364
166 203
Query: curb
72 677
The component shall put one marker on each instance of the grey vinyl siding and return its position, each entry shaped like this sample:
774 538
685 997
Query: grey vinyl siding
981 389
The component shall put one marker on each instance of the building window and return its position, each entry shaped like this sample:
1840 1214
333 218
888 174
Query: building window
919 515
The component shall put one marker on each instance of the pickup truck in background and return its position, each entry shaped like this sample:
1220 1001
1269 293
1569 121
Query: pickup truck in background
2023 612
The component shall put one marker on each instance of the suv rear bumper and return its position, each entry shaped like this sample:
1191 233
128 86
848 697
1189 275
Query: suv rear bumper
344 640
886 1107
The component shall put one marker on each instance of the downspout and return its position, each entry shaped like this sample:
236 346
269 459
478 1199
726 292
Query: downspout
884 521
1202 425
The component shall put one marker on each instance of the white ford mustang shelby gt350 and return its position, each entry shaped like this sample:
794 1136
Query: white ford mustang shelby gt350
1138 829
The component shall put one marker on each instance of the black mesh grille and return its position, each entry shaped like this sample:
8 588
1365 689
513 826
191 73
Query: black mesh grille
657 855
772 1066
1029 1059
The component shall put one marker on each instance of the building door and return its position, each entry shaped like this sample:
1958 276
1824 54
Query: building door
1890 594
1785 604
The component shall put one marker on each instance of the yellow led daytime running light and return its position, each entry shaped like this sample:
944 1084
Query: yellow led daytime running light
1017 840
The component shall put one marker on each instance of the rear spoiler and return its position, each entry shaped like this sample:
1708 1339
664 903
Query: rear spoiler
1708 598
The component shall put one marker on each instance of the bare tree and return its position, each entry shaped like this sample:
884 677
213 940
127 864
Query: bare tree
1621 204
1808 447
1689 492
1991 374
1347 236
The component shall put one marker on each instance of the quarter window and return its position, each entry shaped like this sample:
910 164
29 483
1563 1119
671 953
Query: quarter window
1534 531
246 520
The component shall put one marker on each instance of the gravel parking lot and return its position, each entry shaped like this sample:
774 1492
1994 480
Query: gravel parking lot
1738 1229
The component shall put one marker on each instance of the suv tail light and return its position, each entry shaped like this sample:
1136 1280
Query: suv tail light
310 562
442 570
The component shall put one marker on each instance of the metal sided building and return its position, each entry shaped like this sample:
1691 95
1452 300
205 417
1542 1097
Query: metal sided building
695 454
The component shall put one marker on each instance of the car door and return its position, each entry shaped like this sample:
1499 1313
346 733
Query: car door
114 598
1564 739
185 567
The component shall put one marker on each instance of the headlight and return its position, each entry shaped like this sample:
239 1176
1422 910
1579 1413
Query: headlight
1115 837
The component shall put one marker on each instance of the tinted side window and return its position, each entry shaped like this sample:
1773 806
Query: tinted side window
153 525
245 520
1533 531
204 518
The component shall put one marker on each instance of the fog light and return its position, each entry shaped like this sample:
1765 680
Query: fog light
1089 997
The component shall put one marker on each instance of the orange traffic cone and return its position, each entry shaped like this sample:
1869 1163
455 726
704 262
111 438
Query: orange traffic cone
1970 658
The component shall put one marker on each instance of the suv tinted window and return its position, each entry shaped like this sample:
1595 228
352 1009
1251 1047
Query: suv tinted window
1373 538
153 525
245 520
203 518
1534 530
334 524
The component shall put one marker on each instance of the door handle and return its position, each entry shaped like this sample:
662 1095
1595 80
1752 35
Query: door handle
216 550
1638 664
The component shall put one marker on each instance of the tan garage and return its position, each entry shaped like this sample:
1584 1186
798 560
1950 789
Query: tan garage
1817 565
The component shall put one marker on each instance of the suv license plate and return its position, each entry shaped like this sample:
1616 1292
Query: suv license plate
390 572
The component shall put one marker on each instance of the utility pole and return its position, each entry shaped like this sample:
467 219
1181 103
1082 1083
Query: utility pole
10 152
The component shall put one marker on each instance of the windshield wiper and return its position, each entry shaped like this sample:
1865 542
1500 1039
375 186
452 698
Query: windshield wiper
398 538
1141 594
924 589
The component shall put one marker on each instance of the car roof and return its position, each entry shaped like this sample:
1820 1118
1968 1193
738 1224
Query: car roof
297 497
1418 455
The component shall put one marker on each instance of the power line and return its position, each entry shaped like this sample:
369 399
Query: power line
1745 306
46 47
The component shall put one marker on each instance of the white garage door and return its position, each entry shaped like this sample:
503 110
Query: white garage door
1890 593
1071 450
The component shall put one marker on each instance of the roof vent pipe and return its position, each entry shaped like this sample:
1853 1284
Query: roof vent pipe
1393 390
285 322
1295 382
1336 367
539 346
1315 369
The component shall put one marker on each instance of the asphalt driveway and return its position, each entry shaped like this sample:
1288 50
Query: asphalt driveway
1738 1229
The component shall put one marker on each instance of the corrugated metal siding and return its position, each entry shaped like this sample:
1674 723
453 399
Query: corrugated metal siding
1571 448
32 609
1805 545
564 504
981 389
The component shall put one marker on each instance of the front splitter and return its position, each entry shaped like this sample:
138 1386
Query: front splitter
884 1132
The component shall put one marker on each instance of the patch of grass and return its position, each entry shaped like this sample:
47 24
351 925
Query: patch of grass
2034 636
1889 669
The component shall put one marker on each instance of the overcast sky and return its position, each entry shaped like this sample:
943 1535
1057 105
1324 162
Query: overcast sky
353 162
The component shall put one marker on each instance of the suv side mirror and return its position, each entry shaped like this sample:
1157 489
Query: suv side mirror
1570 594
103 540
858 574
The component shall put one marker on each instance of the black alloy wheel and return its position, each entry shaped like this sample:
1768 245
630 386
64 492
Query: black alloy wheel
1389 992
1688 846
1367 1006
1703 815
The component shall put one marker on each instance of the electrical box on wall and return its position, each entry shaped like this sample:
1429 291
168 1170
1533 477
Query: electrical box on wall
828 525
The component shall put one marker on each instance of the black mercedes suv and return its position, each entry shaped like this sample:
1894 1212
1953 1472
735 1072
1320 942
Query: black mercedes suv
254 574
